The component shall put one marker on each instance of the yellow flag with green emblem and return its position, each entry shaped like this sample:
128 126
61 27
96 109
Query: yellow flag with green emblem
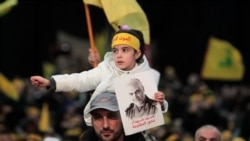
222 61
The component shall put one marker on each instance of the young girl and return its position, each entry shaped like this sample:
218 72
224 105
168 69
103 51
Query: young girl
127 57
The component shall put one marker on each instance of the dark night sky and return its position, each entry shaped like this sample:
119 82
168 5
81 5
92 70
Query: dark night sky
179 31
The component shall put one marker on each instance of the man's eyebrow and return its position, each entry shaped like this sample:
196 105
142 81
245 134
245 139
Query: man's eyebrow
109 113
210 139
95 113
113 113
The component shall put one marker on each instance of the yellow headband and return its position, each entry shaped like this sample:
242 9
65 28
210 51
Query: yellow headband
127 39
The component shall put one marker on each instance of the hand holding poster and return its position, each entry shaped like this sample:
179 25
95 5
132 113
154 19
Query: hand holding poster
139 111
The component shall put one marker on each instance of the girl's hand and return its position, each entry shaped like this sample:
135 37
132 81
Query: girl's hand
39 81
94 57
159 97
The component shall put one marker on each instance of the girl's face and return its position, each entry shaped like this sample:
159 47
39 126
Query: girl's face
125 57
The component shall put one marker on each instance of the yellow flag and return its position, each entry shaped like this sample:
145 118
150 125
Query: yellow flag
222 61
6 6
44 122
101 40
8 88
124 12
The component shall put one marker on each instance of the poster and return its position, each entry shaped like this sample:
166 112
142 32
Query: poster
139 111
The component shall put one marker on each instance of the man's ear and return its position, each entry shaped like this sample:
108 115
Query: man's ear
137 54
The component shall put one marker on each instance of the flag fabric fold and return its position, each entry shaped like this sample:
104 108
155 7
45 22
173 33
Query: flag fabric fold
8 88
124 12
222 61
6 6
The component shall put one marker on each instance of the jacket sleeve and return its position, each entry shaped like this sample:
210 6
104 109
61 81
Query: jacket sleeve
80 82
52 86
164 107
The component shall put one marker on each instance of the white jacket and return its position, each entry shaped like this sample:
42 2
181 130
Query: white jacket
99 79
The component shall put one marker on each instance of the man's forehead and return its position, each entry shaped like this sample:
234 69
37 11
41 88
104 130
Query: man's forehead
208 134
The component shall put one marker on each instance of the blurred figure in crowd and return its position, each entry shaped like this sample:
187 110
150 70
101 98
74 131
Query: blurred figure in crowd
207 133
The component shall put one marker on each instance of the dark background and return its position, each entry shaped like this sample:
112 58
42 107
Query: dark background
179 31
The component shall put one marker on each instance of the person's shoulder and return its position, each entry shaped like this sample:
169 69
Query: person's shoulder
107 64
108 60
130 107
149 100
108 56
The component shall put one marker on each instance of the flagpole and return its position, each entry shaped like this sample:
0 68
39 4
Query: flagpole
91 37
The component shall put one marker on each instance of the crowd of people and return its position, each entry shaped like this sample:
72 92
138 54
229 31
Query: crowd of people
190 104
